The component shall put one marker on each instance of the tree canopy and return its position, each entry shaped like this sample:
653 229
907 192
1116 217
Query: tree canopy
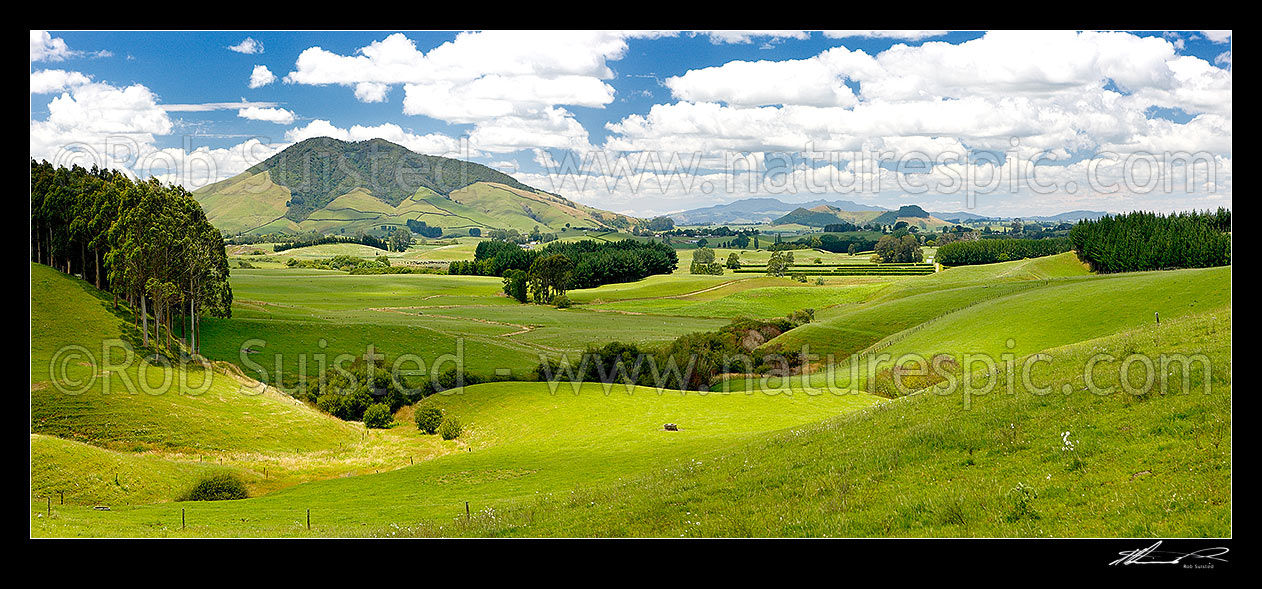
144 241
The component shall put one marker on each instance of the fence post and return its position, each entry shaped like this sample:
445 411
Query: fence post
182 523
308 518
50 505
466 511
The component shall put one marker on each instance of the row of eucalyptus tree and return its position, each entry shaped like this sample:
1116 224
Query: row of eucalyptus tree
147 243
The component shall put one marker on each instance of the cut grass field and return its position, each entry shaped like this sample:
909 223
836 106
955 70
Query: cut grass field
784 462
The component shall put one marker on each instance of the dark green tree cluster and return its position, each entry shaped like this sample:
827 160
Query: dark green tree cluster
1141 240
594 262
549 277
898 250
660 224
838 244
348 392
703 262
400 239
690 362
990 251
515 284
148 243
422 229
311 239
779 263
841 227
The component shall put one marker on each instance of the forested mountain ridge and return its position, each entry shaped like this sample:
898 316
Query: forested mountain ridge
318 170
327 185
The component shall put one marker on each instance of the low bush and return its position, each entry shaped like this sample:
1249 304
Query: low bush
428 419
378 416
219 487
450 428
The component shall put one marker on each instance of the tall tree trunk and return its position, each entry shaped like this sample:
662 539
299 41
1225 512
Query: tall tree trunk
144 319
97 265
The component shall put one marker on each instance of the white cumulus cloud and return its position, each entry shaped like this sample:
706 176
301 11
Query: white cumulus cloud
271 115
50 81
45 47
261 76
249 46
432 144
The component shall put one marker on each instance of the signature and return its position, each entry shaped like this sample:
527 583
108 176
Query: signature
1151 555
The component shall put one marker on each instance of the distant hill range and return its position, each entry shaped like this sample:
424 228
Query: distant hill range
334 186
819 213
760 210
824 215
1070 217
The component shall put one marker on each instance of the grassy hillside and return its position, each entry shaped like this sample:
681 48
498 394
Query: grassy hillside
226 416
429 315
908 303
244 202
522 442
1134 465
538 460
83 474
165 437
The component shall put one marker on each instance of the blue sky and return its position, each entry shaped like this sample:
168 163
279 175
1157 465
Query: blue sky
526 101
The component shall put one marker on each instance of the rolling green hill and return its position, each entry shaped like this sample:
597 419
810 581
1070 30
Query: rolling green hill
1012 465
323 184
594 461
132 444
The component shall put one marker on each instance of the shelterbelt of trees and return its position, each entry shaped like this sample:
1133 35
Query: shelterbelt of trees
590 263
1139 241
316 238
146 242
991 251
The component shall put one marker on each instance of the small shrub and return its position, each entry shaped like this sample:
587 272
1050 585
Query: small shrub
378 416
219 487
428 419
561 302
450 429
1021 503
